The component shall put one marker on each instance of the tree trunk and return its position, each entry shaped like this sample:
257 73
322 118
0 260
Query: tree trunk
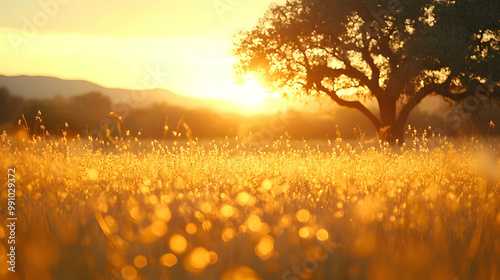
390 131
392 134
397 135
390 128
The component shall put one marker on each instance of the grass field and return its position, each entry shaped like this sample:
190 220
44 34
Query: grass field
135 209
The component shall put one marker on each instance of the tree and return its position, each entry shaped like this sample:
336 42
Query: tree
10 106
395 52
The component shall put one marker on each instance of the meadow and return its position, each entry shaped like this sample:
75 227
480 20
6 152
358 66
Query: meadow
227 209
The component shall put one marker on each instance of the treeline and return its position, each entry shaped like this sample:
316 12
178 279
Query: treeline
94 114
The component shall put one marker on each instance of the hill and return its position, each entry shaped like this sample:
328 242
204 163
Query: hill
40 87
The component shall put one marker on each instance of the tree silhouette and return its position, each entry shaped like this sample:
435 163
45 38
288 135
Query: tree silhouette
395 52
10 106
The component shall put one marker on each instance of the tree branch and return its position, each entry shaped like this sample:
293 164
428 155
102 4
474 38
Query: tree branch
351 72
444 91
414 101
350 104
373 83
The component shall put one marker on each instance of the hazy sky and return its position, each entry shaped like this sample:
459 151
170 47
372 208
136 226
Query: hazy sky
119 43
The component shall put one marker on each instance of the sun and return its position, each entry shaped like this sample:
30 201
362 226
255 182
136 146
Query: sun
251 93
247 96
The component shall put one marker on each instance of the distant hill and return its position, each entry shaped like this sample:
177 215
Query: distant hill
39 87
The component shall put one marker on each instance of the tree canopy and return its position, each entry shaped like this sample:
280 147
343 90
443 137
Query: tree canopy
394 51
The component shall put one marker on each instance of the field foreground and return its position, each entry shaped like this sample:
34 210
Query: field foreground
224 210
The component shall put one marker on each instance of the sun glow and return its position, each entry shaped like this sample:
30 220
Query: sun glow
250 93
249 96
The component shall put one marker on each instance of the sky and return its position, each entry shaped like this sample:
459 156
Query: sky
183 46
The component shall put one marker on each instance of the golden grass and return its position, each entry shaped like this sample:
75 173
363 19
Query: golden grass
225 210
